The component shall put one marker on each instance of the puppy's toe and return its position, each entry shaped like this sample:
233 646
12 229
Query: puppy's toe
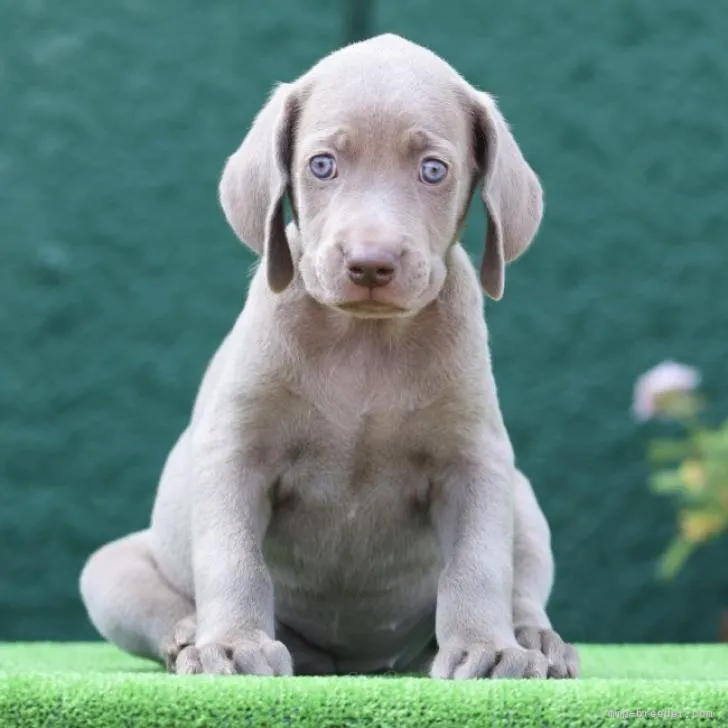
563 659
515 662
478 662
187 662
482 660
182 636
212 659
216 660
447 661
267 657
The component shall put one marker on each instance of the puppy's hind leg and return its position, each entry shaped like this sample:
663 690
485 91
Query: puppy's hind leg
131 604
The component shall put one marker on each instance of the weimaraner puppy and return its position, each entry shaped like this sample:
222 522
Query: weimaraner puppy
344 498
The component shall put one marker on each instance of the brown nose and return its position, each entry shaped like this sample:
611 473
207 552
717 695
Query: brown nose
371 270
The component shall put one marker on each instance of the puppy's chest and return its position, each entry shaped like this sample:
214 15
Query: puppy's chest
379 457
359 487
351 513
356 472
362 402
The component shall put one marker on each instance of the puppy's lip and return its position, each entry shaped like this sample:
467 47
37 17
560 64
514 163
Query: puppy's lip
371 307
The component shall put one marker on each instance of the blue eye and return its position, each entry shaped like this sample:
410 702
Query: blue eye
432 171
323 166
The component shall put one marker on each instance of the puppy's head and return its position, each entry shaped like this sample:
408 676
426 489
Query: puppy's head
379 148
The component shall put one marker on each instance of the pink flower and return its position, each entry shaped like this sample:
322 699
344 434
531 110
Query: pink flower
668 378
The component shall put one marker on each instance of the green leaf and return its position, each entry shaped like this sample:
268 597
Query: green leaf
674 558
664 450
666 481
713 443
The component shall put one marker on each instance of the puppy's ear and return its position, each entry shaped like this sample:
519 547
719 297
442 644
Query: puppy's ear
511 192
254 184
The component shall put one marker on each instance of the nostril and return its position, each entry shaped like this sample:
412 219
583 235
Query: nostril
370 273
384 275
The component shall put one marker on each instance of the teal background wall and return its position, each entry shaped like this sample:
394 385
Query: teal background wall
118 275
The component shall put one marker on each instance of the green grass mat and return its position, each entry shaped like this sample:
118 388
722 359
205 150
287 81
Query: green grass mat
93 685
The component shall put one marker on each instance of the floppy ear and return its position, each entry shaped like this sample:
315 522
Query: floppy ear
254 184
511 192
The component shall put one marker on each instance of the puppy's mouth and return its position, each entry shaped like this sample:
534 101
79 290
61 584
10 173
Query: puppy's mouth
371 309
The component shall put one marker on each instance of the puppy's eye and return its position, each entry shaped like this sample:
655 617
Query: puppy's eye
432 171
323 166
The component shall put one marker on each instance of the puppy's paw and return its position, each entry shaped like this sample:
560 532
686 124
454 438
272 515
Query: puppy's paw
255 656
563 659
481 660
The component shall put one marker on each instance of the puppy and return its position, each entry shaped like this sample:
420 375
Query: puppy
344 498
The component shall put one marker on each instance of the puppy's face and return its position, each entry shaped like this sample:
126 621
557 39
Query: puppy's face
382 171
380 147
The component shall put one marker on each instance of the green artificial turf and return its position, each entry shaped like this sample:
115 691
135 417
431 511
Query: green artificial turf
96 686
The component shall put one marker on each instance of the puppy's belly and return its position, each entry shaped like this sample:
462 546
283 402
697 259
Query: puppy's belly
363 590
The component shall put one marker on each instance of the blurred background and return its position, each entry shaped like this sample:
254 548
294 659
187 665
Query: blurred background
119 276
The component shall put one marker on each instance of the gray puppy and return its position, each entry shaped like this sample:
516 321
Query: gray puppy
344 498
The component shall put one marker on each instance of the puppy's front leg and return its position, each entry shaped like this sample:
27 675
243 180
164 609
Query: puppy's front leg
474 519
233 588
533 576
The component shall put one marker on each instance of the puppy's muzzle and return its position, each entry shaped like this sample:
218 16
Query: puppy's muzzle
372 278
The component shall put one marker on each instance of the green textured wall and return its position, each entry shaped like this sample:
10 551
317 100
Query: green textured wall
118 276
